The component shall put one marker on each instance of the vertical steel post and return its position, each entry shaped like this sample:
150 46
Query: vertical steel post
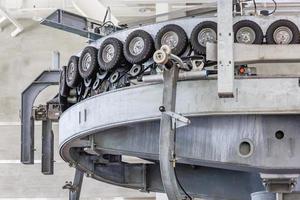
47 148
167 136
225 49
55 60
77 184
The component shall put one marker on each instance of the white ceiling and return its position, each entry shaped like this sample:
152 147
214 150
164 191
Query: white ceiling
122 9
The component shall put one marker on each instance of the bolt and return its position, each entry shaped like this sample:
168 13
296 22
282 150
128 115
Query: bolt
162 109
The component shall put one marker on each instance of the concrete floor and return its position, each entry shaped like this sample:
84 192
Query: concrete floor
21 60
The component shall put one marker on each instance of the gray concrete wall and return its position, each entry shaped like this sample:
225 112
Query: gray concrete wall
21 60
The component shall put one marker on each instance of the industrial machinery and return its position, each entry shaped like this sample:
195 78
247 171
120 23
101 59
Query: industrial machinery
185 96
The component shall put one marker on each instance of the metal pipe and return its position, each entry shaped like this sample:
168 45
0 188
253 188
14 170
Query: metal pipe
183 76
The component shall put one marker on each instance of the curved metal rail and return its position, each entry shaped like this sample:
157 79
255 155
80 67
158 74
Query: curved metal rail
126 122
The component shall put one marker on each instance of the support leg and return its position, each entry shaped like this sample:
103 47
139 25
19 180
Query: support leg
167 136
77 184
47 148
75 187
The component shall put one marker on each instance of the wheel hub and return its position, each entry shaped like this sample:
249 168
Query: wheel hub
108 53
246 35
207 35
86 62
283 35
171 39
136 46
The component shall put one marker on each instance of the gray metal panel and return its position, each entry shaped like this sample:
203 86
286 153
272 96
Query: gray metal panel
214 141
195 98
247 54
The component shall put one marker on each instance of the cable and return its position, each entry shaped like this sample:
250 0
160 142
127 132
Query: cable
178 182
255 6
275 8
181 187
267 13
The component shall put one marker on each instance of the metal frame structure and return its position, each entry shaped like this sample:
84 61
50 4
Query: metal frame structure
46 79
228 165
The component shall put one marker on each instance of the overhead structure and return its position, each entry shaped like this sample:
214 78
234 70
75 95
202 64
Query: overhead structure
6 16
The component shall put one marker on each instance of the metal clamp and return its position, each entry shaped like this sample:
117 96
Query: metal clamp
178 120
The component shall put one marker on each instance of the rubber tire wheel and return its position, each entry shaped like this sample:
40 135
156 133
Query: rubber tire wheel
197 47
286 23
118 58
182 42
259 35
91 72
64 90
146 53
74 81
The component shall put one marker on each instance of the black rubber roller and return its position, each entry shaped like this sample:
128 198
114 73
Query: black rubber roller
88 63
248 32
174 36
110 54
203 33
139 47
283 32
72 73
63 87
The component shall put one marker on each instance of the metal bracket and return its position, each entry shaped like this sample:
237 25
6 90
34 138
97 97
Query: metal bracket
280 183
29 95
178 120
73 23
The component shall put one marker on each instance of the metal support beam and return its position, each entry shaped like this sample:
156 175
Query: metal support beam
167 136
75 187
225 49
250 54
55 60
162 10
29 95
6 15
47 148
